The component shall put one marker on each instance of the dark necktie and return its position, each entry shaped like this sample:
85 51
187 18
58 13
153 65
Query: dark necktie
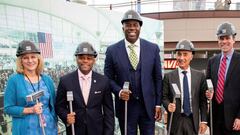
221 80
186 98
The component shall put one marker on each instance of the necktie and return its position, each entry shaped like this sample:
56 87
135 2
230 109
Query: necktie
85 89
186 98
221 79
133 56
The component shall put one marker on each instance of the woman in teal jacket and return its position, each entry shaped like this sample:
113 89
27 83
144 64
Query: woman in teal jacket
29 79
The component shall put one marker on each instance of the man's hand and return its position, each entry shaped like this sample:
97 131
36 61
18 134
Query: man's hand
171 107
158 113
209 94
125 94
202 128
236 124
71 118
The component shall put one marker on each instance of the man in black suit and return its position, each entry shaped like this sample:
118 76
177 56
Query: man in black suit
92 104
192 101
224 70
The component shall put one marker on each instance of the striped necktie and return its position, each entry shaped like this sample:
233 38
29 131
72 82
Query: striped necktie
133 56
221 80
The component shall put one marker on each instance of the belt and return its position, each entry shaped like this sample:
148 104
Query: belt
184 115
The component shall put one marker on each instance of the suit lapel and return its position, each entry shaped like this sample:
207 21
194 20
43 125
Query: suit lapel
143 58
122 54
92 88
216 68
123 59
193 83
176 79
232 64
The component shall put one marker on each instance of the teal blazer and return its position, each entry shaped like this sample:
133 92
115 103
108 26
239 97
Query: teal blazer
15 101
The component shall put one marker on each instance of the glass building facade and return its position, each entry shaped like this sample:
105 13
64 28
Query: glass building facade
68 24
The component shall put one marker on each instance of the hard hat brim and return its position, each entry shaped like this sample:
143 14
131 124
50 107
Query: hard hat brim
193 51
77 54
125 20
26 52
225 34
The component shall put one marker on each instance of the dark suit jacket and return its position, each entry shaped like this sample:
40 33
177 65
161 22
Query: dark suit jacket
231 87
117 69
199 101
97 115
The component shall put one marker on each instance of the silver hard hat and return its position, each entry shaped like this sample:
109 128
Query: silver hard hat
226 29
25 47
185 45
85 48
132 15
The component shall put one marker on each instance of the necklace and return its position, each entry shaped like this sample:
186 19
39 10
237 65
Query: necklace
32 83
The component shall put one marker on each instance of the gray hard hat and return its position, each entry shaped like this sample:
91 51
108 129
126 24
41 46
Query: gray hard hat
25 47
132 15
85 48
185 45
226 29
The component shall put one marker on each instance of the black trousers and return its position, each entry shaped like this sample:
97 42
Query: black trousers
219 123
137 117
185 126
78 130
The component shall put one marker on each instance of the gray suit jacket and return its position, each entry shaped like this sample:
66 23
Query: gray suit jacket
199 101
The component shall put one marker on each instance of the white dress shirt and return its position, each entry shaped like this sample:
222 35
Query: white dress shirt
136 47
181 75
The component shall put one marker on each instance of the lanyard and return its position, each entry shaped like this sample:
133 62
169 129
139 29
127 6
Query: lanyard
32 83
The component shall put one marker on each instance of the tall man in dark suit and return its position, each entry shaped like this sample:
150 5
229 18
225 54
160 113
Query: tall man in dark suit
224 70
192 86
137 61
92 104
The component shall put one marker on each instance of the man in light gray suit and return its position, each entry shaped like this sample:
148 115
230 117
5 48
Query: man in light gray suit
192 87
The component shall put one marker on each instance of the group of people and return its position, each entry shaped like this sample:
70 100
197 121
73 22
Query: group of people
4 74
58 71
136 62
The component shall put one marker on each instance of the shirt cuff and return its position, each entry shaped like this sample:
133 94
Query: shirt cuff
204 122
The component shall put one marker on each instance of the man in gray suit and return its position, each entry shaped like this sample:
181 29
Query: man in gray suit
192 86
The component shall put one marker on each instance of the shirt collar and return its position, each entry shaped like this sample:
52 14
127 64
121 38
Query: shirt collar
137 43
180 70
81 75
229 55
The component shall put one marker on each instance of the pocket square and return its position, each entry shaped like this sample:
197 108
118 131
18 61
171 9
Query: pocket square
97 92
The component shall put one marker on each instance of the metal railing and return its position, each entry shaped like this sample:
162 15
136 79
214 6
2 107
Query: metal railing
147 6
